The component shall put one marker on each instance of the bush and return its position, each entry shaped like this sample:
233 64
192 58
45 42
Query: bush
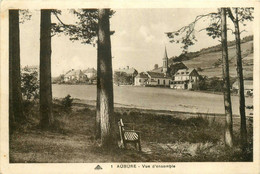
67 102
214 84
30 85
122 78
201 84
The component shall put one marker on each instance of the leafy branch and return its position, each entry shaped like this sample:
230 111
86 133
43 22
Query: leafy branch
186 34
85 28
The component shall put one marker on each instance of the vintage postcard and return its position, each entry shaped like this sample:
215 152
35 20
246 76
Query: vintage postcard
133 86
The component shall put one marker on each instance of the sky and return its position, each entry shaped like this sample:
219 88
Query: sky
139 40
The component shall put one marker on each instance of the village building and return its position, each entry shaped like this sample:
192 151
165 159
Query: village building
248 87
91 73
129 71
171 68
157 77
152 79
141 79
185 79
75 76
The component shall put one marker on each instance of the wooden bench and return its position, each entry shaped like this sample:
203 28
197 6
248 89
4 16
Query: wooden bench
129 135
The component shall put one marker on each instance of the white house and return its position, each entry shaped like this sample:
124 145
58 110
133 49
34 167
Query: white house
152 79
185 79
158 79
141 79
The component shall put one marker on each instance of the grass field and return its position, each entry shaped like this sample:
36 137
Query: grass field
206 61
154 98
166 136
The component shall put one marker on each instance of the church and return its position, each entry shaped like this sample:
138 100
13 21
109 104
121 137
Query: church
169 68
159 76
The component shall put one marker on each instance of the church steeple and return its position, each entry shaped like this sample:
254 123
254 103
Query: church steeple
165 62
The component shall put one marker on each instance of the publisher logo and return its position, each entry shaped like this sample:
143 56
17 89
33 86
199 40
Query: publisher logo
98 167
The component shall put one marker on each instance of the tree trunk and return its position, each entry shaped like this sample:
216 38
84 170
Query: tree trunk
15 95
106 85
243 131
98 128
45 70
226 86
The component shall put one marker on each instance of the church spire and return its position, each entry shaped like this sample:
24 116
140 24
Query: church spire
165 53
165 63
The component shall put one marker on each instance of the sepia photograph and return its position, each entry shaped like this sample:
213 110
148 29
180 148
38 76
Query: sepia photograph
130 88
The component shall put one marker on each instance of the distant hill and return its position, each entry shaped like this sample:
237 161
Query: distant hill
208 60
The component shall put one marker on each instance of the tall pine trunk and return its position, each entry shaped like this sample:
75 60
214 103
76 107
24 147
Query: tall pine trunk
16 113
98 128
226 83
243 131
45 70
107 121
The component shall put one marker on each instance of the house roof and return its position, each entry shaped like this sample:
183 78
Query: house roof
89 70
182 72
74 73
172 65
142 75
248 84
156 75
158 70
126 70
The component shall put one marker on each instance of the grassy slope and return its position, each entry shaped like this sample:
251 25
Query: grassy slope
206 61
164 138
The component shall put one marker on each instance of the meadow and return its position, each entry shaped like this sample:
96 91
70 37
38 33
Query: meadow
210 64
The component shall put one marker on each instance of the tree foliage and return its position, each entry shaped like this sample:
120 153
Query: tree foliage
186 34
244 14
24 15
85 28
121 78
30 85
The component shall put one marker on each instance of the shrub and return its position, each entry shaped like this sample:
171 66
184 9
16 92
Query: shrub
122 78
201 84
214 84
67 102
30 85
